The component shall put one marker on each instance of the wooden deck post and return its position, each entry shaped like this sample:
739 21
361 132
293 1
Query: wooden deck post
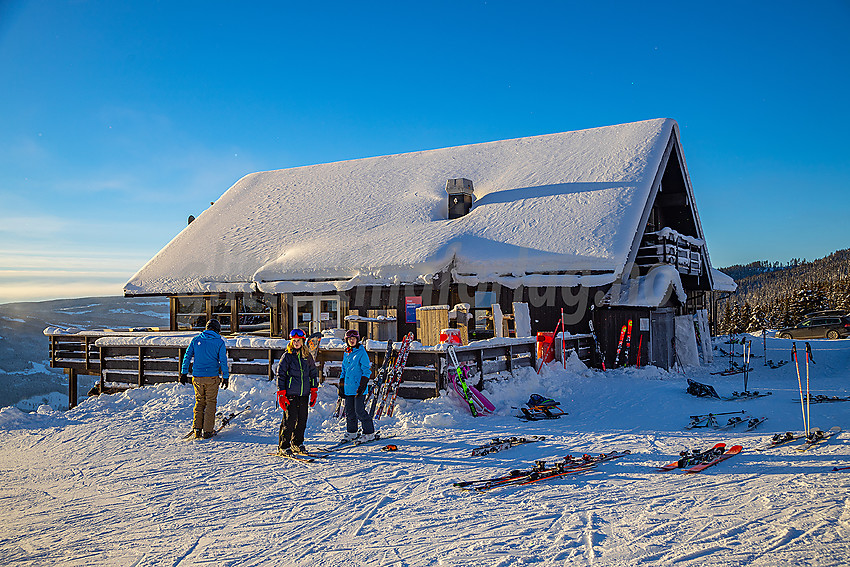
102 370
181 352
271 362
141 366
72 388
86 348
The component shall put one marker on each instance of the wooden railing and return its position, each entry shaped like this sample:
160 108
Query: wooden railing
136 365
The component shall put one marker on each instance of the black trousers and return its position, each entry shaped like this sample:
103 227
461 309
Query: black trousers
355 408
294 422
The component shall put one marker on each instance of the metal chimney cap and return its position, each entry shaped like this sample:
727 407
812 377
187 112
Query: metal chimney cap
459 185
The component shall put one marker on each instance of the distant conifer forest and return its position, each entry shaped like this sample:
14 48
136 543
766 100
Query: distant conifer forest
772 295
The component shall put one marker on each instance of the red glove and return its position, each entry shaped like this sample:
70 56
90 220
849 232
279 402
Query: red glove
314 393
282 400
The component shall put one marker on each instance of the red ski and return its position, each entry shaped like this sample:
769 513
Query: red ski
683 462
620 344
628 343
588 463
734 450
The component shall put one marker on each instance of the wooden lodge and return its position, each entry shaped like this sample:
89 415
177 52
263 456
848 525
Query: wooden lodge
598 223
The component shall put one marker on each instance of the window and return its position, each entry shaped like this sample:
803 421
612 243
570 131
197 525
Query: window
482 315
191 312
221 311
255 314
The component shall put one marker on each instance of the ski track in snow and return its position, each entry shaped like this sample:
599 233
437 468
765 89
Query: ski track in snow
113 483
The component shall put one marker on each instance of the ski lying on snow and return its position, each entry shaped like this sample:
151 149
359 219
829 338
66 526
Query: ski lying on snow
299 458
779 440
349 444
500 444
708 419
755 422
821 399
689 458
224 421
817 436
752 422
228 418
741 396
563 470
734 450
540 472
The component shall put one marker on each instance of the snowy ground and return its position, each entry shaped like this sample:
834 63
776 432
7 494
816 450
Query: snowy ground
112 483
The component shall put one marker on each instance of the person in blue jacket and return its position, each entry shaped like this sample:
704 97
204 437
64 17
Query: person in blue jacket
297 386
353 384
210 357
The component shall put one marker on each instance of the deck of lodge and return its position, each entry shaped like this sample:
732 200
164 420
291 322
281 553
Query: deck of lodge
128 360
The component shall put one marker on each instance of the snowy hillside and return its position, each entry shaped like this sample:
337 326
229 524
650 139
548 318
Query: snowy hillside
26 379
112 482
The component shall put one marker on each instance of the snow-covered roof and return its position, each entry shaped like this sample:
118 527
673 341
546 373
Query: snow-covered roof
722 282
651 290
546 207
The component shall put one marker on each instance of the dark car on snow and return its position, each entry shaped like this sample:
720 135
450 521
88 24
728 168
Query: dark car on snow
818 327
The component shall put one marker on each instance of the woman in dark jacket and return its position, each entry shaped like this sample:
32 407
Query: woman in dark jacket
298 386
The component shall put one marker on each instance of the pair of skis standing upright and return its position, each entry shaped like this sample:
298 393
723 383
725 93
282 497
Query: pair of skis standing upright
478 403
383 389
813 435
625 340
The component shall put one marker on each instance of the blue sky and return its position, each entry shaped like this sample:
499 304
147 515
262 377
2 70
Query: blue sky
119 119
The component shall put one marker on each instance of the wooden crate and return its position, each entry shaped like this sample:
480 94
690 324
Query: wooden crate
430 321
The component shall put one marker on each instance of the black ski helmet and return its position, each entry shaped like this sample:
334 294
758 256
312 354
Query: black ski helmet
352 333
214 325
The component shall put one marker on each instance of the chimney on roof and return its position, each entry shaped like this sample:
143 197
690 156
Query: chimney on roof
460 197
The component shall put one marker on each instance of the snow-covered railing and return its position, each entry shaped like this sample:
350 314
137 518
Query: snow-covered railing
668 246
132 359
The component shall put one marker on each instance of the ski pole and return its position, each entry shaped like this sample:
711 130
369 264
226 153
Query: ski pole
808 396
549 347
563 341
731 353
640 345
800 384
764 343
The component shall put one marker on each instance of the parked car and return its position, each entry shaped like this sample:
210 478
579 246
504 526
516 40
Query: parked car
818 328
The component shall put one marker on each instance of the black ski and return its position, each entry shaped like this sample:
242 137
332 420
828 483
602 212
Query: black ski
376 385
225 419
595 338
540 472
297 457
817 436
780 439
228 418
708 419
500 444
343 445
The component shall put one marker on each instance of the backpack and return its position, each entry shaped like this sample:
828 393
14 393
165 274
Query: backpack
701 390
538 401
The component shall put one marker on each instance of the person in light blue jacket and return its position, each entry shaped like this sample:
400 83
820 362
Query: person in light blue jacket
210 359
353 384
